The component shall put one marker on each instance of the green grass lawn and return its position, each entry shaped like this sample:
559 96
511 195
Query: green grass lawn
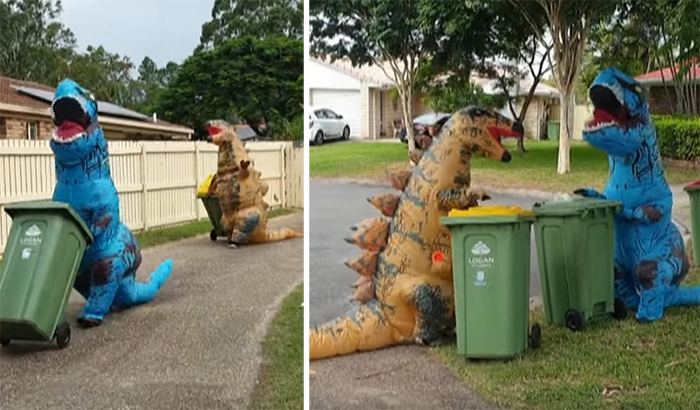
536 169
281 381
608 365
159 236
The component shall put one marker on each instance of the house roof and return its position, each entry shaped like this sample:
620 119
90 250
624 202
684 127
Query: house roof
377 78
490 86
658 77
33 98
369 73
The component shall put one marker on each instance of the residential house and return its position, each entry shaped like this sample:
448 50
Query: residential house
662 92
362 95
544 106
365 97
25 114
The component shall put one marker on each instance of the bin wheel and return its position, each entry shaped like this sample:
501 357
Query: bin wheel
573 320
535 337
620 310
4 342
212 235
63 335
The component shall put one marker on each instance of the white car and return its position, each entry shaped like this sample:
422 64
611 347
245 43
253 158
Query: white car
325 124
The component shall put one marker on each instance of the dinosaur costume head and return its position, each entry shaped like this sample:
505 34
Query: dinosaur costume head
479 129
232 153
476 129
77 133
620 103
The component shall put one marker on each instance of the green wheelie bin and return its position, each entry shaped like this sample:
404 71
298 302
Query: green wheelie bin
575 251
491 271
43 253
213 208
693 191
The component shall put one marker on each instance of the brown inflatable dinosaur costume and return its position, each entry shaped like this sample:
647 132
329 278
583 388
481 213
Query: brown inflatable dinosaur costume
240 190
405 287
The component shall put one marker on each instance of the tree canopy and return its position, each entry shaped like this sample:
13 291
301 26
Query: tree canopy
254 18
244 79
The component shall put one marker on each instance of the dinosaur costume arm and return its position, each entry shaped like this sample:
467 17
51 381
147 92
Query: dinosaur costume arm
461 198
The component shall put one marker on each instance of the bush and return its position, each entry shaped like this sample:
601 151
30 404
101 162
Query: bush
679 137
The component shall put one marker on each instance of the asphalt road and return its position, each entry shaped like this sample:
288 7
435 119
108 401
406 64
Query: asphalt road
334 208
195 346
402 377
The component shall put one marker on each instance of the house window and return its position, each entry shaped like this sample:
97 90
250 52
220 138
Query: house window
32 130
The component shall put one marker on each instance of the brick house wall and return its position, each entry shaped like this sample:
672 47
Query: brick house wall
663 100
16 128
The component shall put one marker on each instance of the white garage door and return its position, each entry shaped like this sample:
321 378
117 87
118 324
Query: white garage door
343 102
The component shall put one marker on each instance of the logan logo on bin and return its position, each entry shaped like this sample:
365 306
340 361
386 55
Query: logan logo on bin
31 236
481 248
480 260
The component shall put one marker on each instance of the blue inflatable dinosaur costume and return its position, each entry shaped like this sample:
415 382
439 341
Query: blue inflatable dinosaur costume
107 274
650 258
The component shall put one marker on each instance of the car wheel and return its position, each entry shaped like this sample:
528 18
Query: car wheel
346 133
318 140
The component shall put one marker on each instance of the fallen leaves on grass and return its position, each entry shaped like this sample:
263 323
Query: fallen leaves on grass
611 390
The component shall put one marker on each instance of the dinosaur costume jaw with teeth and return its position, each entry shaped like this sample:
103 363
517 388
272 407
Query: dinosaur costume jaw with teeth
650 258
241 191
405 289
106 276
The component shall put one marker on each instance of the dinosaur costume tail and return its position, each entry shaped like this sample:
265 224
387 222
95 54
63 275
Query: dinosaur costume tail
363 329
131 292
280 235
686 296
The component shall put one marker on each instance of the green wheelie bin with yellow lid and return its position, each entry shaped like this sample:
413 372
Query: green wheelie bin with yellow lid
491 273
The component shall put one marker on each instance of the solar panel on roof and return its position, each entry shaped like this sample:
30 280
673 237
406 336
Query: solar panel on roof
103 107
245 133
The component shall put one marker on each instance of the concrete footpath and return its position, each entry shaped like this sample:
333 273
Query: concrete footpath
197 345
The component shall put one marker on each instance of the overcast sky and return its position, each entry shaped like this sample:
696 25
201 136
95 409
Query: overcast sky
165 30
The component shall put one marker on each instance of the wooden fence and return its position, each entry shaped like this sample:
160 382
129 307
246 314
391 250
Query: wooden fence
157 180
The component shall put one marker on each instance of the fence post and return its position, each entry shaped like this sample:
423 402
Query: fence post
283 173
197 171
144 188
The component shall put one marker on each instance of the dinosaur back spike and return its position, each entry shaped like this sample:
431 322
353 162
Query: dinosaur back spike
399 179
385 203
364 289
371 234
365 264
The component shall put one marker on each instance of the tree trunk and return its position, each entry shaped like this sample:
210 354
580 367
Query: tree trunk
407 106
566 128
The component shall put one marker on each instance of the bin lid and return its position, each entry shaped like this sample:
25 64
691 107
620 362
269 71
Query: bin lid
203 189
572 206
692 186
38 206
487 214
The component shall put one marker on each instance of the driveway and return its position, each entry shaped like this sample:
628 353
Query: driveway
403 377
195 346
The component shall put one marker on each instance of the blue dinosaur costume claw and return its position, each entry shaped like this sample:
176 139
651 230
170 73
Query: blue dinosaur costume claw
650 257
107 274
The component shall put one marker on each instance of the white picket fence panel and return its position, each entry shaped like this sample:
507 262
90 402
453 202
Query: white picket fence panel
157 180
